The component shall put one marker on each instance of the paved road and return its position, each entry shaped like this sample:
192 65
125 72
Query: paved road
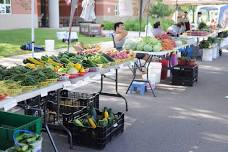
180 119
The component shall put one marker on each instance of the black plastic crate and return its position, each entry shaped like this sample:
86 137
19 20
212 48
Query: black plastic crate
94 138
183 82
71 102
184 75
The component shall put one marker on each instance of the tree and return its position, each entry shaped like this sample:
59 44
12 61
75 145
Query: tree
159 9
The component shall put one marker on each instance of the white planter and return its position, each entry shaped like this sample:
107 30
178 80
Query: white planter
215 51
207 54
224 43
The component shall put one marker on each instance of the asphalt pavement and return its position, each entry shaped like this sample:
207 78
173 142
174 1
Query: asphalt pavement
179 119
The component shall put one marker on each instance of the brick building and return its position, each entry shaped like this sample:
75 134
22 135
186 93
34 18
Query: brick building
55 13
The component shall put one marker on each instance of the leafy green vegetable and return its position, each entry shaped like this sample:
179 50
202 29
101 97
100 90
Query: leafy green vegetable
29 81
204 44
203 26
147 48
49 73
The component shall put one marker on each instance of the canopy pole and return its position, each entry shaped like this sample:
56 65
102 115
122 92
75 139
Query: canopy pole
176 14
74 5
147 19
140 17
32 25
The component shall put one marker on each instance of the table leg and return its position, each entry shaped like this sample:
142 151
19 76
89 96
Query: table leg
152 89
116 88
134 76
47 129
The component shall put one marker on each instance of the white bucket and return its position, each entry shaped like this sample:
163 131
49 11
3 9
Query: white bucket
224 43
178 54
214 53
155 69
151 79
207 54
49 45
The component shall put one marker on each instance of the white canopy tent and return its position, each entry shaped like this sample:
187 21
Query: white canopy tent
33 24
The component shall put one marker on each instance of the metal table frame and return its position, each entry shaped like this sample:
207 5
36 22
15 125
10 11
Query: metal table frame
117 94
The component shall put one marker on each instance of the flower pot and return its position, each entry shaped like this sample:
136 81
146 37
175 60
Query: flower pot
207 54
215 51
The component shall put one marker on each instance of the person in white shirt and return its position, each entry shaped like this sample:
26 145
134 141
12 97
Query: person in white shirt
157 31
174 30
199 18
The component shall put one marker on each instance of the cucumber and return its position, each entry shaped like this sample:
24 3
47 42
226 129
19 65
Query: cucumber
20 137
24 147
77 122
31 140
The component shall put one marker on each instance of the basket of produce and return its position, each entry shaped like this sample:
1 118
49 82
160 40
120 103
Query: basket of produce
3 95
28 88
26 141
43 84
94 128
10 122
29 83
13 88
14 91
50 81
2 83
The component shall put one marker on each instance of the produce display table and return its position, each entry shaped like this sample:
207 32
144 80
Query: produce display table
102 72
146 65
149 60
11 102
200 38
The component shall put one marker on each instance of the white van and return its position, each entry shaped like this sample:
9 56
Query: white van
217 12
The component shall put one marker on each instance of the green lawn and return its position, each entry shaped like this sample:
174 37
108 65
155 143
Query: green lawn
11 40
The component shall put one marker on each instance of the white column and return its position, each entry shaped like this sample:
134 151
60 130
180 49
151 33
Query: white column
53 8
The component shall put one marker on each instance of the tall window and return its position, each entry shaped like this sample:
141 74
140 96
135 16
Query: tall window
116 10
5 6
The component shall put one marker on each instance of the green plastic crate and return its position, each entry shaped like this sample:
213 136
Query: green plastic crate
10 122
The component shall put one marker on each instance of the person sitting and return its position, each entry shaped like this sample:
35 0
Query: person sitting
183 28
174 30
119 35
157 31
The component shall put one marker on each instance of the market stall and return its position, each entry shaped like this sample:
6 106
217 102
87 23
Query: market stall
38 77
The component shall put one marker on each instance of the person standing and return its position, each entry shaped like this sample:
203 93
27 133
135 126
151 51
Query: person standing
199 18
119 35
186 21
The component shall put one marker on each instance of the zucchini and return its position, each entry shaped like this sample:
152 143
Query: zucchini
24 147
92 123
108 57
31 140
77 122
